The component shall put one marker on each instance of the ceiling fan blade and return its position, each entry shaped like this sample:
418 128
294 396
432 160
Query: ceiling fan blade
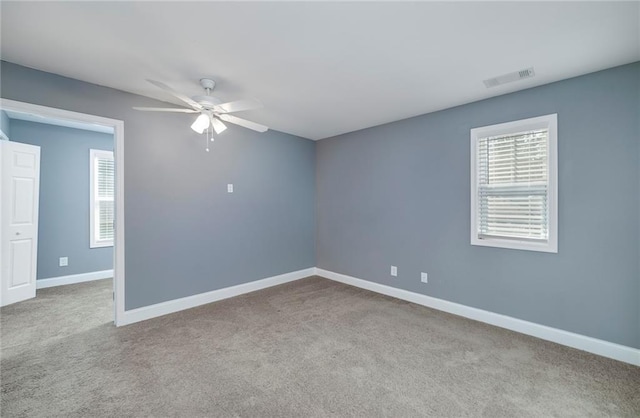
166 109
238 106
174 93
218 126
243 122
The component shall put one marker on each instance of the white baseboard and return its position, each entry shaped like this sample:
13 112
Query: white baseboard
171 306
570 339
73 278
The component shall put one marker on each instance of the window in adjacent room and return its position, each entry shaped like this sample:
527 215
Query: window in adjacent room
514 185
102 202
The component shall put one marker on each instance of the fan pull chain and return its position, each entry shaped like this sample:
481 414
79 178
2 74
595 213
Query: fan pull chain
206 141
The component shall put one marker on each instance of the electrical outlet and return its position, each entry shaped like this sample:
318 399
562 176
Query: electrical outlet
64 261
229 188
394 271
424 278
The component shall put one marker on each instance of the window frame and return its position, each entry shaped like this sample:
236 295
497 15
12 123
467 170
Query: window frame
94 154
549 122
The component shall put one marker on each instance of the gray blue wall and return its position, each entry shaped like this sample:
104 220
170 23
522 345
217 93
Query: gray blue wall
63 229
4 123
398 194
184 233
394 194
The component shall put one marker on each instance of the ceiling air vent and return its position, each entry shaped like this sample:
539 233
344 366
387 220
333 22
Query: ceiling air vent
508 78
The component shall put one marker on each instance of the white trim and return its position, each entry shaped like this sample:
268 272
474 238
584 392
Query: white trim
581 342
118 151
94 154
175 305
73 278
118 250
549 122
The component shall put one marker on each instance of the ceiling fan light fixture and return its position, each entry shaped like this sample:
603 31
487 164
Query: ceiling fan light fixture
218 126
201 123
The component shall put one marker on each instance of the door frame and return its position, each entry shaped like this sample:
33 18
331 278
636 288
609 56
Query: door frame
118 155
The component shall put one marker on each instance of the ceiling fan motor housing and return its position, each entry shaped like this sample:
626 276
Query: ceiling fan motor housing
207 101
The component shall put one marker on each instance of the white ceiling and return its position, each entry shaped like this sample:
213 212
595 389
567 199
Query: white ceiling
322 69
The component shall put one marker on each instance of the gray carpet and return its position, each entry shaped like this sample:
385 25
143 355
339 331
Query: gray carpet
307 348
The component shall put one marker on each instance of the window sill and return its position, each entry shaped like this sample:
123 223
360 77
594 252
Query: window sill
101 244
546 247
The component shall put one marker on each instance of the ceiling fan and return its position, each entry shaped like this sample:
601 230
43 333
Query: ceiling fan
212 110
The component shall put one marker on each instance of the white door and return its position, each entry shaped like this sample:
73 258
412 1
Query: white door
19 189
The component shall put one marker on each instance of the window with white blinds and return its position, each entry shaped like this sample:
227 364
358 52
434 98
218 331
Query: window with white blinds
514 185
102 201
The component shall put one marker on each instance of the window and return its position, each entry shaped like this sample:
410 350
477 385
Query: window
514 185
102 207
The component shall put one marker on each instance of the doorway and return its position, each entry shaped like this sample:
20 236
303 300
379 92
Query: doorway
100 207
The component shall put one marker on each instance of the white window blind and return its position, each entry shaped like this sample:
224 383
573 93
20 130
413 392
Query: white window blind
105 198
102 192
513 186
